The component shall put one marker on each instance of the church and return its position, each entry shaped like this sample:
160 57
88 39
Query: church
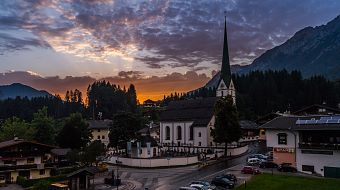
187 123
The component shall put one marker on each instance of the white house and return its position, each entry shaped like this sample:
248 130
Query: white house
100 130
312 143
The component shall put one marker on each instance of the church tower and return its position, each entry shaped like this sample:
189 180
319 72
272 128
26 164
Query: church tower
225 85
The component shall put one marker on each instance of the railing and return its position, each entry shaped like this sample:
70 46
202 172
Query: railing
22 154
26 166
322 146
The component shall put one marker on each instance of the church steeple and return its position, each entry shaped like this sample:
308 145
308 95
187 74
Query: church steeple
225 70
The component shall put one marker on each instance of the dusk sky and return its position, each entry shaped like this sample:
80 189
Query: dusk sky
161 46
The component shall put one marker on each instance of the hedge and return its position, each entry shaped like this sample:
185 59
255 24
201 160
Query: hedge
22 181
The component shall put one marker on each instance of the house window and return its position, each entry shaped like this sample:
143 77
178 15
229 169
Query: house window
103 137
179 133
222 93
199 144
307 168
282 138
191 133
30 160
42 172
98 137
167 133
98 130
199 134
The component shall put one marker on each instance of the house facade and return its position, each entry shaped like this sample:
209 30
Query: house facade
311 143
100 130
24 158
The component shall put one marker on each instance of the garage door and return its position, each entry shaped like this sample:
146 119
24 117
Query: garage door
332 172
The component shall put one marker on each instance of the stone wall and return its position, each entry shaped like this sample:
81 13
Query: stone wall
154 162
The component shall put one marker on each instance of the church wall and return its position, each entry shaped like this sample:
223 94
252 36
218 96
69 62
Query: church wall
174 132
200 136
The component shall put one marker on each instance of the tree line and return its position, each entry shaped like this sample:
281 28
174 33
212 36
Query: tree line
259 93
101 97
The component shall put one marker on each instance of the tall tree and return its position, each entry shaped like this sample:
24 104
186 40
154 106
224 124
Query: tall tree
227 128
95 149
44 126
15 127
132 98
75 133
123 129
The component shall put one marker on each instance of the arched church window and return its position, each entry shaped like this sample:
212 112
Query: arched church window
191 134
179 133
167 133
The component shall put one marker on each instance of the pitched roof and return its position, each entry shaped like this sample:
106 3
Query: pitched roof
88 170
99 124
282 122
60 151
145 139
198 110
314 109
13 142
289 123
246 124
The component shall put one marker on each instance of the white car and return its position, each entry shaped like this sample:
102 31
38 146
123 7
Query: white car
199 187
254 161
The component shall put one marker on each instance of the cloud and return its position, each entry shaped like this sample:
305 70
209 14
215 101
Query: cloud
153 87
10 43
159 33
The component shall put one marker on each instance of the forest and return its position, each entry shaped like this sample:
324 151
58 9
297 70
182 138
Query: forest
258 93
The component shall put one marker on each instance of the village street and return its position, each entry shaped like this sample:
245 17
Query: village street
173 178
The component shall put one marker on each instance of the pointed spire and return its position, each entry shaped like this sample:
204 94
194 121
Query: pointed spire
225 70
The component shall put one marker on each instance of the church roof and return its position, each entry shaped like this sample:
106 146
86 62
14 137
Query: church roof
99 124
200 111
225 70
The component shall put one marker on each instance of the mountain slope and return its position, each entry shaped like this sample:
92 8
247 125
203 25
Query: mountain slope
17 89
313 51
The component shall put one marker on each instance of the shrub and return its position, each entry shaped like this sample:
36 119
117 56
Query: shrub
41 185
22 181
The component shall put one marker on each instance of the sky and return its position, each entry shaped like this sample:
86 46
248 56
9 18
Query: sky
161 46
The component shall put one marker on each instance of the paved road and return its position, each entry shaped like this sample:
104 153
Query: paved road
173 178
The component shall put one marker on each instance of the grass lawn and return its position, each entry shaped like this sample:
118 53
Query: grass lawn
286 182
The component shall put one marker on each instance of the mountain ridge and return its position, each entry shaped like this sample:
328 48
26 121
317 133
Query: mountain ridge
17 89
311 50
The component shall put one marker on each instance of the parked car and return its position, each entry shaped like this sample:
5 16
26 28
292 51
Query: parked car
250 170
231 177
254 161
256 156
286 167
199 187
268 165
205 183
187 188
222 182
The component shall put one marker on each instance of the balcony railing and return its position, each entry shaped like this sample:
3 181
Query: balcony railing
26 166
321 146
22 154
